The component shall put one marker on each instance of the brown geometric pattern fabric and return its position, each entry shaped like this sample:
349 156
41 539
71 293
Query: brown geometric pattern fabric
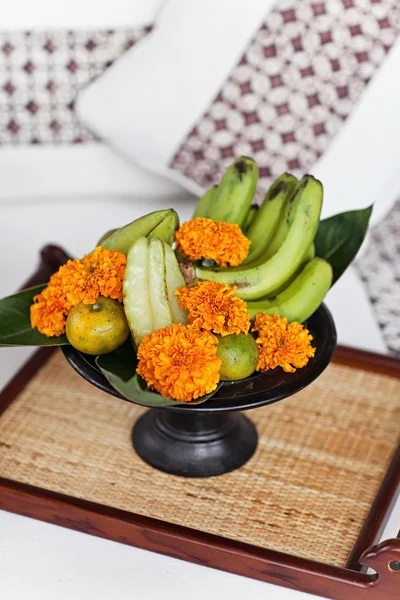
294 86
41 74
379 269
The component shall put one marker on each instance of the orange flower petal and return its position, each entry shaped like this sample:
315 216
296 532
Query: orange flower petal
99 273
179 362
222 242
214 307
282 344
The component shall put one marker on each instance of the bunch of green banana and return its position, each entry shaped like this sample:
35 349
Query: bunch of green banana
298 282
160 224
151 277
230 200
302 297
271 213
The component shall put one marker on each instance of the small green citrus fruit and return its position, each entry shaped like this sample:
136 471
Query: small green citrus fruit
239 355
97 328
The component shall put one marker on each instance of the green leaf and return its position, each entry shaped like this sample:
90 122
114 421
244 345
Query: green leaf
339 238
121 363
119 368
15 325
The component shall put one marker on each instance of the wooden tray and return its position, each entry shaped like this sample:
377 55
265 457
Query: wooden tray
304 513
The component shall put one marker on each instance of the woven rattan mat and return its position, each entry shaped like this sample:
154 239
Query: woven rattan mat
321 457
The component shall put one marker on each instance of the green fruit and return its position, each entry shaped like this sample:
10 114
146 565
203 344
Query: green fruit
302 297
239 356
157 275
165 231
279 236
105 236
121 239
152 275
280 233
205 202
235 192
251 213
144 288
269 215
175 280
97 328
136 290
256 280
310 254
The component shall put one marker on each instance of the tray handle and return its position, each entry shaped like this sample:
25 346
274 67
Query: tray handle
384 558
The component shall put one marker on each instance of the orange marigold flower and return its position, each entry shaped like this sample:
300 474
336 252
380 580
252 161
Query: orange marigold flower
213 306
179 362
99 273
282 344
213 240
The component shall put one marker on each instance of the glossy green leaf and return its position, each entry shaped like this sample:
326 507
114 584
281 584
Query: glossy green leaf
121 363
119 368
15 325
339 238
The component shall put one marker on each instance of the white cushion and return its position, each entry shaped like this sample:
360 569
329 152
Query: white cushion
148 100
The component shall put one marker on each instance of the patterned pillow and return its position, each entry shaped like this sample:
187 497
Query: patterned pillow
290 92
41 73
379 269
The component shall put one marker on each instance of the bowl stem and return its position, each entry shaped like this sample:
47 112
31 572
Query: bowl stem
194 445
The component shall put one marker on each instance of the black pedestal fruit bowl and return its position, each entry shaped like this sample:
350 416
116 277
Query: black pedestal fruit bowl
214 438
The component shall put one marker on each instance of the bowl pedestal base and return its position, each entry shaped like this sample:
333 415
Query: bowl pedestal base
194 444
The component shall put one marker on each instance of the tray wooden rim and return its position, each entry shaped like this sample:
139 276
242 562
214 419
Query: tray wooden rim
215 551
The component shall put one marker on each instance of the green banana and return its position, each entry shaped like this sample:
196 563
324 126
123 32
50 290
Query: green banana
302 297
251 213
270 213
280 238
307 257
121 239
205 202
280 233
310 254
235 192
256 280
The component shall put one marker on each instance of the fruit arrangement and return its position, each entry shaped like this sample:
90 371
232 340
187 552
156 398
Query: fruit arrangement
171 311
